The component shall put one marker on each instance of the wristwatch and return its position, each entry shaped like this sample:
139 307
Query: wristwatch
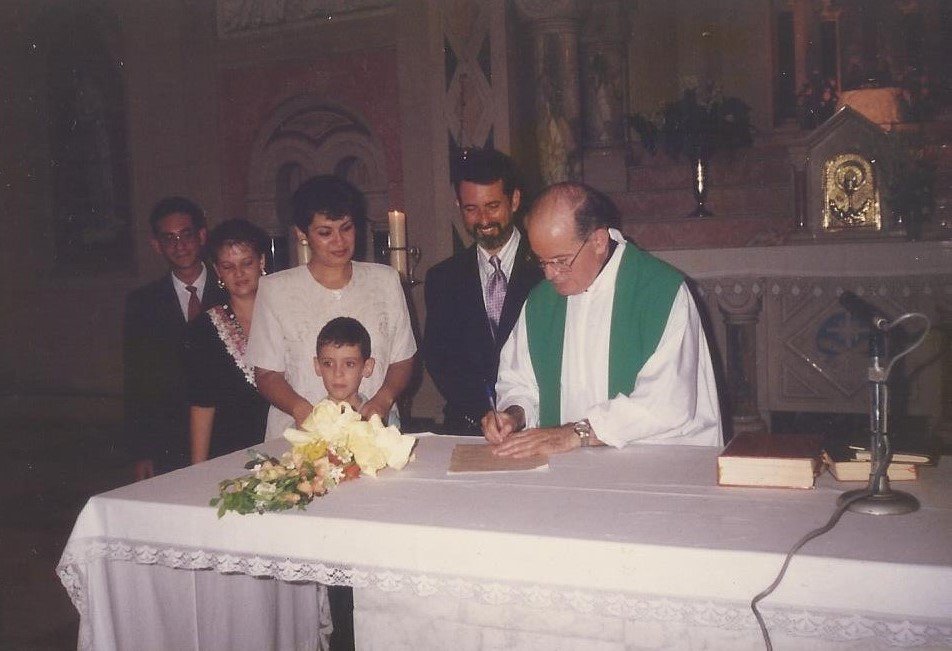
583 430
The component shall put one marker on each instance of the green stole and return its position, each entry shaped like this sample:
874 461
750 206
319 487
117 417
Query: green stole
644 292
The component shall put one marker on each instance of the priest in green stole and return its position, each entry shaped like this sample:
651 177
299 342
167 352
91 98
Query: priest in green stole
608 350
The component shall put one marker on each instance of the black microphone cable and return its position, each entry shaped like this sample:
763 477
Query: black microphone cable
880 323
816 533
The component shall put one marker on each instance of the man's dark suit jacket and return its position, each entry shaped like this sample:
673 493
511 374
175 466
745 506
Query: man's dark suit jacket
156 407
458 346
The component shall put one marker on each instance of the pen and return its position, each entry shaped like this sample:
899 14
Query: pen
491 394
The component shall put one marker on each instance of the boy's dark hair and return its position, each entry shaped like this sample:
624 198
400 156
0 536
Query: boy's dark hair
484 166
331 196
237 232
344 331
170 206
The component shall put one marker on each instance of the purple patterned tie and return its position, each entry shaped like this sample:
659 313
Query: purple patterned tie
495 293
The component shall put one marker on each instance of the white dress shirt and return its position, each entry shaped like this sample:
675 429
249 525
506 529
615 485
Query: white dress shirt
674 398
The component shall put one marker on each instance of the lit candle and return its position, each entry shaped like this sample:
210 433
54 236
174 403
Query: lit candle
303 252
398 240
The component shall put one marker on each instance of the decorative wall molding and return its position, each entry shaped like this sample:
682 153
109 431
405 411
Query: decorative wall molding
469 103
239 17
473 101
309 135
540 10
738 298
789 336
891 259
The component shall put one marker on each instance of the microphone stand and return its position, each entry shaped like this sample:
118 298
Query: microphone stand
878 498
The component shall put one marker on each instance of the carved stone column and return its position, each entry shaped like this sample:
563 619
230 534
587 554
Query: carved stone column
604 81
554 31
798 161
943 325
740 304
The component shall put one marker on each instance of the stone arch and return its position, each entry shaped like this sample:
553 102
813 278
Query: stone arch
305 136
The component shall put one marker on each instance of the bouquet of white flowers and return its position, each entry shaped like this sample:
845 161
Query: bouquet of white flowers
334 445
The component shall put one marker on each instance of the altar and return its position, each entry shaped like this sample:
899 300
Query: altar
604 549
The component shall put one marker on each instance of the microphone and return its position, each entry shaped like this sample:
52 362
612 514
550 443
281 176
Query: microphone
864 310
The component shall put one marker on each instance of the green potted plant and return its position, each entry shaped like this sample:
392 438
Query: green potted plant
696 125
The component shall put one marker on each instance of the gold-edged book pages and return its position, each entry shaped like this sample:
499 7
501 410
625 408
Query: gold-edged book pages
479 458
771 460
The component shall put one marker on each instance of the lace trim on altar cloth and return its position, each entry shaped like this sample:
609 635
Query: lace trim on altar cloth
825 625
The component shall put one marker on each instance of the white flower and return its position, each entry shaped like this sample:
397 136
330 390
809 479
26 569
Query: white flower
266 489
371 444
375 445
396 445
327 422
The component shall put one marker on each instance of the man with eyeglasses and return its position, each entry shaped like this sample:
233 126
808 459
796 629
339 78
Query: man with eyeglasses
156 409
608 350
474 297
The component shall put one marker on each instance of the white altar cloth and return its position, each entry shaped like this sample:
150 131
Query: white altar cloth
638 545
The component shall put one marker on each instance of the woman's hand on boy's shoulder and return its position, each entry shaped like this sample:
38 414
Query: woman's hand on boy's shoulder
379 405
301 410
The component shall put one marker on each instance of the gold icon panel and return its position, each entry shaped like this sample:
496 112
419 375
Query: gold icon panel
850 195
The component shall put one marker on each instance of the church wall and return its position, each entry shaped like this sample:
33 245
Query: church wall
351 64
652 63
687 43
61 330
194 103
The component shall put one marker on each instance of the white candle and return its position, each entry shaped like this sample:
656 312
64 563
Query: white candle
398 240
303 251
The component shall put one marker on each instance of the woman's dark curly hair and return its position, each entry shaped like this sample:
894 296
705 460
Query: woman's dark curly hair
240 232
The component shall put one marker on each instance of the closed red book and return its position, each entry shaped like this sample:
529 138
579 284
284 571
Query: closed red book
771 460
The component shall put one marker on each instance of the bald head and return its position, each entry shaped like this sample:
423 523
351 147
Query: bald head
587 208
568 231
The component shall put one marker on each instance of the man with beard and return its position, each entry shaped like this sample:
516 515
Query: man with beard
474 297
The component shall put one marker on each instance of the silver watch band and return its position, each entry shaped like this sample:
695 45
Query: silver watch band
583 429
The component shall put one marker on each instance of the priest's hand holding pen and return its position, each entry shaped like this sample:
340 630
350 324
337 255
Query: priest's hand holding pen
499 425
